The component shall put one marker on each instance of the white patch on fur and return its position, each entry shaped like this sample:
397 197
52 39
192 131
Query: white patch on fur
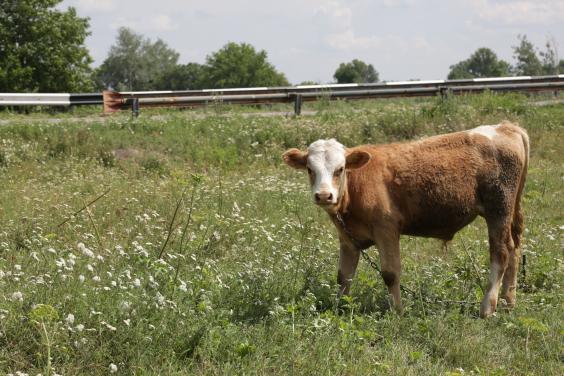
490 131
495 279
486 308
324 158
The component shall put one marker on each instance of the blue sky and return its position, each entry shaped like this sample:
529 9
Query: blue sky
307 39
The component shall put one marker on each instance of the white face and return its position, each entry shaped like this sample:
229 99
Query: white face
325 162
326 167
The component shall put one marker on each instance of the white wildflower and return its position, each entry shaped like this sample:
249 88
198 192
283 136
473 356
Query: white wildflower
113 368
85 251
160 298
69 319
137 282
110 327
96 278
124 306
81 278
182 286
79 328
17 296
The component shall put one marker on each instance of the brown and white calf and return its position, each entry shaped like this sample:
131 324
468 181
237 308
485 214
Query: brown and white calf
431 188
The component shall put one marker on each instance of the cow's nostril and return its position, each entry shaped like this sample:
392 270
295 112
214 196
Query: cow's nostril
323 197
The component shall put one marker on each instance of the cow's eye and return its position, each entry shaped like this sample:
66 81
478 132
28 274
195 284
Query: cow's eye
309 171
339 172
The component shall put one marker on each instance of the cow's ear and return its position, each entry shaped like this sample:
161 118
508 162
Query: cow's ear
356 159
295 158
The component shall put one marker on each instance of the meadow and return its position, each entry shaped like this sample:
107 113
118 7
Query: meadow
178 243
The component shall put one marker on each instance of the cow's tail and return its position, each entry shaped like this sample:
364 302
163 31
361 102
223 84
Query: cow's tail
517 225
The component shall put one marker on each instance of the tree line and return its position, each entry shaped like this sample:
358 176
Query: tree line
529 61
42 49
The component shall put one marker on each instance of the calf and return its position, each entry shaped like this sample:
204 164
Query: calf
432 188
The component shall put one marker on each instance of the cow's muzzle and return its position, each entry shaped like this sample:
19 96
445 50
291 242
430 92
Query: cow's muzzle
323 198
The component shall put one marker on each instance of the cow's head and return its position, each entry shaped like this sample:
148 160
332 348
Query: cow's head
326 162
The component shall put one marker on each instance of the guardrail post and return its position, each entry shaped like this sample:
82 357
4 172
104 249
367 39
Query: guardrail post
135 107
298 104
445 91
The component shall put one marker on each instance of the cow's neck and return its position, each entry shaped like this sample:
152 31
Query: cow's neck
347 224
344 202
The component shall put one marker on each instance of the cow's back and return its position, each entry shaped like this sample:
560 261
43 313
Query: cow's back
435 186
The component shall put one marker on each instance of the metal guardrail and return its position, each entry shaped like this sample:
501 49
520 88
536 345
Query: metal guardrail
50 99
114 101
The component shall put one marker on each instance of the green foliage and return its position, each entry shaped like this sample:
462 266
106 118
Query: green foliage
482 63
43 313
247 282
527 61
356 71
183 77
137 63
42 48
550 63
240 65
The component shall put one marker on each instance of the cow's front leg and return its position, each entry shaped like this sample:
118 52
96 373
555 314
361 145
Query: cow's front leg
390 263
348 261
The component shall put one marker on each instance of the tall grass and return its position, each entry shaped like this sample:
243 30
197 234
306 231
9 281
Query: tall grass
246 280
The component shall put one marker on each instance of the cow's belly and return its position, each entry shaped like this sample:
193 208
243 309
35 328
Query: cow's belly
438 222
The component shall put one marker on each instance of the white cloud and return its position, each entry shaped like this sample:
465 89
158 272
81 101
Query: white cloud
123 22
336 19
96 5
520 12
347 40
337 14
162 22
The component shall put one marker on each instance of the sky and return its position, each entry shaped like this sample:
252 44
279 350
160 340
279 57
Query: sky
308 39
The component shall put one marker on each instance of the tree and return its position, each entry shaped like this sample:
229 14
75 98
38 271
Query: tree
550 63
183 77
528 63
482 63
240 65
136 63
355 71
42 48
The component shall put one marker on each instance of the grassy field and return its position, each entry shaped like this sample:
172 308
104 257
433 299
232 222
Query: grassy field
204 255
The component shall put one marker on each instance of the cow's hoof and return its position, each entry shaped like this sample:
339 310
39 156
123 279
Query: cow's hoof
486 310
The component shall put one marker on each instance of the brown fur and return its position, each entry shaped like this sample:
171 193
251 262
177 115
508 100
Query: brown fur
433 188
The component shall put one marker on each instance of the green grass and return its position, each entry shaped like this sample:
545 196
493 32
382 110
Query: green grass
247 279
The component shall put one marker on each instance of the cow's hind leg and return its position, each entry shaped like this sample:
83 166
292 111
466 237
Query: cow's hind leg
502 249
509 285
